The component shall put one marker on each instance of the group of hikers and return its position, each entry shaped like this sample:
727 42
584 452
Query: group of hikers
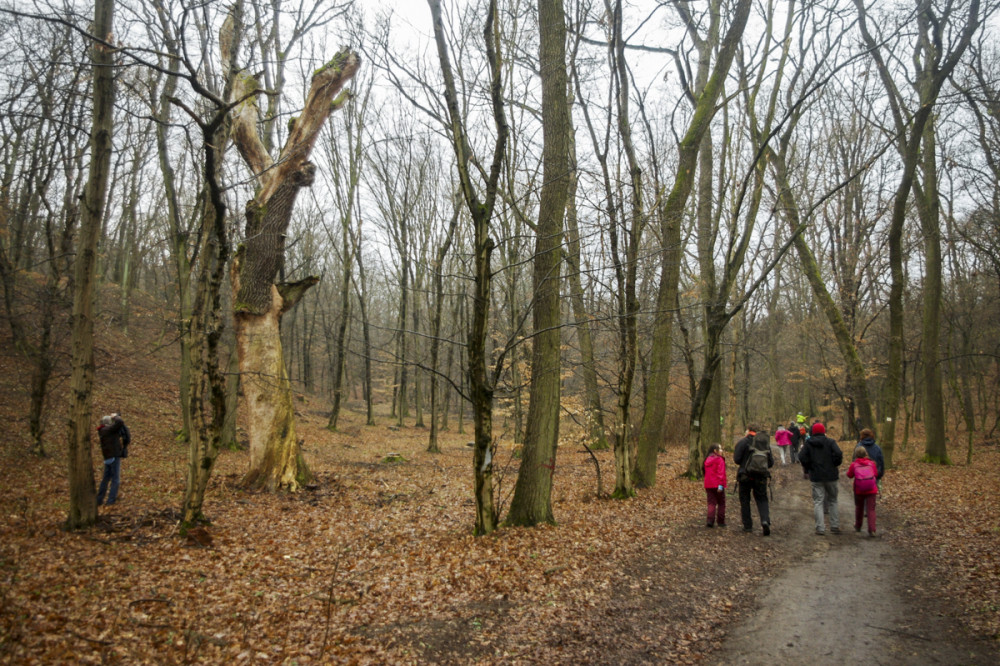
820 458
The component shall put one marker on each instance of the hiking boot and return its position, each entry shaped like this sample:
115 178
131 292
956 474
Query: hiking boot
820 532
872 535
748 530
857 528
767 530
710 525
834 530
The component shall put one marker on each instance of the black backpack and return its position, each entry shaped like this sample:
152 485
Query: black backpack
757 463
126 439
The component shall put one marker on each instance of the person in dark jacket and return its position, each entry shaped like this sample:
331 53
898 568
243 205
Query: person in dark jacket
748 483
114 437
796 440
820 459
874 453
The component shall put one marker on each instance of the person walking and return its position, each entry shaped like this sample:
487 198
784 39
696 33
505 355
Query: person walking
796 440
715 486
753 455
863 470
820 459
783 439
115 438
874 452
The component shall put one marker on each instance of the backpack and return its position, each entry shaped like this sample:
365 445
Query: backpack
864 480
757 463
126 439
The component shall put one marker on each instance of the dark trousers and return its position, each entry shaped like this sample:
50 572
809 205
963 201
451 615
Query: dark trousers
864 505
716 506
758 487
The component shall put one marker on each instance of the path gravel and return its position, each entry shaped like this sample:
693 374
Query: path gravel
846 599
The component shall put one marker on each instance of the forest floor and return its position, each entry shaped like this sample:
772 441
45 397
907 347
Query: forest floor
376 563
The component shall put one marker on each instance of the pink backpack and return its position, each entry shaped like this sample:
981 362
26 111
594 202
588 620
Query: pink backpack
864 480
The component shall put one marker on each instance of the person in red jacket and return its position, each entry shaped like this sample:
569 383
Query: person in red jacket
715 486
864 471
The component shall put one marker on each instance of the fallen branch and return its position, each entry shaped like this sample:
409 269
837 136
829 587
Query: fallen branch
85 638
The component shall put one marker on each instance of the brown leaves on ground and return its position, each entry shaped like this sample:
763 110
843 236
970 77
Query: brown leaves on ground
952 522
376 563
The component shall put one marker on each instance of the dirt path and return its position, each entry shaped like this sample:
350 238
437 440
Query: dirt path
846 599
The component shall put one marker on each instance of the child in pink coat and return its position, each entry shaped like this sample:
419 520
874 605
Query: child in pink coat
783 439
864 472
715 486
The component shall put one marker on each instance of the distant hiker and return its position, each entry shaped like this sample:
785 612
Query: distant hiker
796 439
115 439
800 420
753 455
874 452
783 439
820 459
863 471
715 486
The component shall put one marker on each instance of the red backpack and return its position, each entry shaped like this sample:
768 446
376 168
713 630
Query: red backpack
864 480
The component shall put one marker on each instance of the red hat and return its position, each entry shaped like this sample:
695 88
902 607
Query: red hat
818 429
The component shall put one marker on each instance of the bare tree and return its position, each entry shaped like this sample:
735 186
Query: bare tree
83 498
670 213
481 209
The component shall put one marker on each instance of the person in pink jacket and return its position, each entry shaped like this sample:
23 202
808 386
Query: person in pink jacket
783 439
715 486
864 471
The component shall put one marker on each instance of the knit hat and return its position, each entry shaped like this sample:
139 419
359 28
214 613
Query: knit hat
106 420
818 429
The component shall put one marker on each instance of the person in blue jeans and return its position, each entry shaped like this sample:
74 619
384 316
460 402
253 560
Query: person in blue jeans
114 436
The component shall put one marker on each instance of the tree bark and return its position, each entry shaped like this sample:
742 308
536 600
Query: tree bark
438 279
929 209
259 304
532 501
82 493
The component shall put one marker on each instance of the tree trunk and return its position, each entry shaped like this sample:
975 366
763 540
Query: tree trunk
592 397
934 70
671 215
82 493
345 312
438 278
532 501
929 208
480 384
208 394
857 383
365 338
259 304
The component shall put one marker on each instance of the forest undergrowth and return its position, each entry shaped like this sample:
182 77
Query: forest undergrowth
375 562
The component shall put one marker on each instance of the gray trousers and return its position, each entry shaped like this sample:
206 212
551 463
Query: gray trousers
825 500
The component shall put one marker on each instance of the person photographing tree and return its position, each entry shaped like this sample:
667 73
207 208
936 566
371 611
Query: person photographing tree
115 438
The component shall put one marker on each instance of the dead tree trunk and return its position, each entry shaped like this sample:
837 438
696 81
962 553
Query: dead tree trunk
258 302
